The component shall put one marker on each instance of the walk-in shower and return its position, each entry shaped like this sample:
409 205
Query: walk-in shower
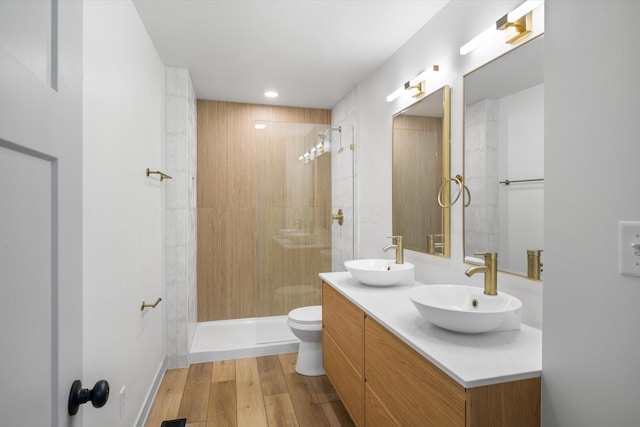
293 240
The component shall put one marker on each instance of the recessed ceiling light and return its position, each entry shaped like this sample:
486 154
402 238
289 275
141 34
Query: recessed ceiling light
271 94
260 126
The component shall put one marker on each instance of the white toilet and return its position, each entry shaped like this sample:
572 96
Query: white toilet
306 324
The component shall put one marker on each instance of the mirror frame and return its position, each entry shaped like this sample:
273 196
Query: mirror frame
464 196
445 144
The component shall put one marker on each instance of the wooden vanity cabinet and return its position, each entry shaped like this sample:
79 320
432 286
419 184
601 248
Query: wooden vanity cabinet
384 382
403 386
343 350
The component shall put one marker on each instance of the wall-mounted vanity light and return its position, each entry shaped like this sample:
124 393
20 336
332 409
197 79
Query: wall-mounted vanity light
514 25
415 86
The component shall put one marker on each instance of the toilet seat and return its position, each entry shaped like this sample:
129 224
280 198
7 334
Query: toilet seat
306 315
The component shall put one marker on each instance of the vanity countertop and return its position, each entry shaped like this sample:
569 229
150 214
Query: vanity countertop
472 360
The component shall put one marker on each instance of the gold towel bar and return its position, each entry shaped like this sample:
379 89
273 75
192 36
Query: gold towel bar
145 305
514 181
162 175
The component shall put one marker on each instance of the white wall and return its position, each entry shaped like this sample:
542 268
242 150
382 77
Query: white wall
436 43
123 265
591 318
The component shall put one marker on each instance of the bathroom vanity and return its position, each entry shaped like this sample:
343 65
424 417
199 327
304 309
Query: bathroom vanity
391 367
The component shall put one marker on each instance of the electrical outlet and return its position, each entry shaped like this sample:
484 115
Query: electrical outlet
629 248
123 395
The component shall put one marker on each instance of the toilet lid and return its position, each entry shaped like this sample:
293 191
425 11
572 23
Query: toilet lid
309 314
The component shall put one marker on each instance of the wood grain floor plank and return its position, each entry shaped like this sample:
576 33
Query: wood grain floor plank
309 413
248 392
323 391
288 362
223 370
337 414
251 409
280 412
222 411
195 400
271 376
167 401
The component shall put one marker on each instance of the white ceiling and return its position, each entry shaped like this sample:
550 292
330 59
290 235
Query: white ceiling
313 52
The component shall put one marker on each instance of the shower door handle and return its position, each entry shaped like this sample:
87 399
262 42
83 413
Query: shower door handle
339 216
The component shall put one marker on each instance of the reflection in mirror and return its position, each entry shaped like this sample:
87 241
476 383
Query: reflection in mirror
420 164
503 159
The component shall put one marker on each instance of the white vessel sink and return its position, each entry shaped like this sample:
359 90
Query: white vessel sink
381 272
466 308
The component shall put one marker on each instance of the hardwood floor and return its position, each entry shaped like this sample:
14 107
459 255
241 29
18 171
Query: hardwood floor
252 392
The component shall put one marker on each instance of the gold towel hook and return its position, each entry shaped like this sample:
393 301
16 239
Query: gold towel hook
162 175
145 305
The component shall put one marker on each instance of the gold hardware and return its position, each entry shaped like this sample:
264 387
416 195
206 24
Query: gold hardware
432 245
339 217
418 88
163 176
351 147
145 305
514 31
396 243
490 270
514 181
461 188
534 266
475 303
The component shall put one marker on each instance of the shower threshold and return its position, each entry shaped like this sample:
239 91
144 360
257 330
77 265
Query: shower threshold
239 338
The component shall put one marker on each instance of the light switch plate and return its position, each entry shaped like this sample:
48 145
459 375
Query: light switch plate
629 248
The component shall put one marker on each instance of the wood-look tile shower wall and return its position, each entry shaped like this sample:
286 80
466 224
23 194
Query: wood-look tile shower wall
417 165
227 204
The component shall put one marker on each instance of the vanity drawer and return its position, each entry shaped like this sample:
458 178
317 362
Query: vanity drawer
345 322
343 350
413 390
347 382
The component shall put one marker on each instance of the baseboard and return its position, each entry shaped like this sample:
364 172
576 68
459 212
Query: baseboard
151 394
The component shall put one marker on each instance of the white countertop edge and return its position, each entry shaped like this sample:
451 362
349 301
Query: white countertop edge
401 322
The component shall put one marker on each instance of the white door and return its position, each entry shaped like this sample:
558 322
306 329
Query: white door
40 210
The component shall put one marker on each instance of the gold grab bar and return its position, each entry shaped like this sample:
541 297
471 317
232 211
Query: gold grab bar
145 305
339 216
162 175
514 181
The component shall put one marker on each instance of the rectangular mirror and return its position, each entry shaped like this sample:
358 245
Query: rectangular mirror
419 167
504 159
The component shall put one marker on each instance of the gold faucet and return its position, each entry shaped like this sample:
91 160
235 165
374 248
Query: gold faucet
490 270
397 245
534 266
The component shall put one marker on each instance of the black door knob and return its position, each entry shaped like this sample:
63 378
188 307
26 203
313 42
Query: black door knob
98 395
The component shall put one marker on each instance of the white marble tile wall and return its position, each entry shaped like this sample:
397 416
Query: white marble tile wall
481 176
180 206
344 114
